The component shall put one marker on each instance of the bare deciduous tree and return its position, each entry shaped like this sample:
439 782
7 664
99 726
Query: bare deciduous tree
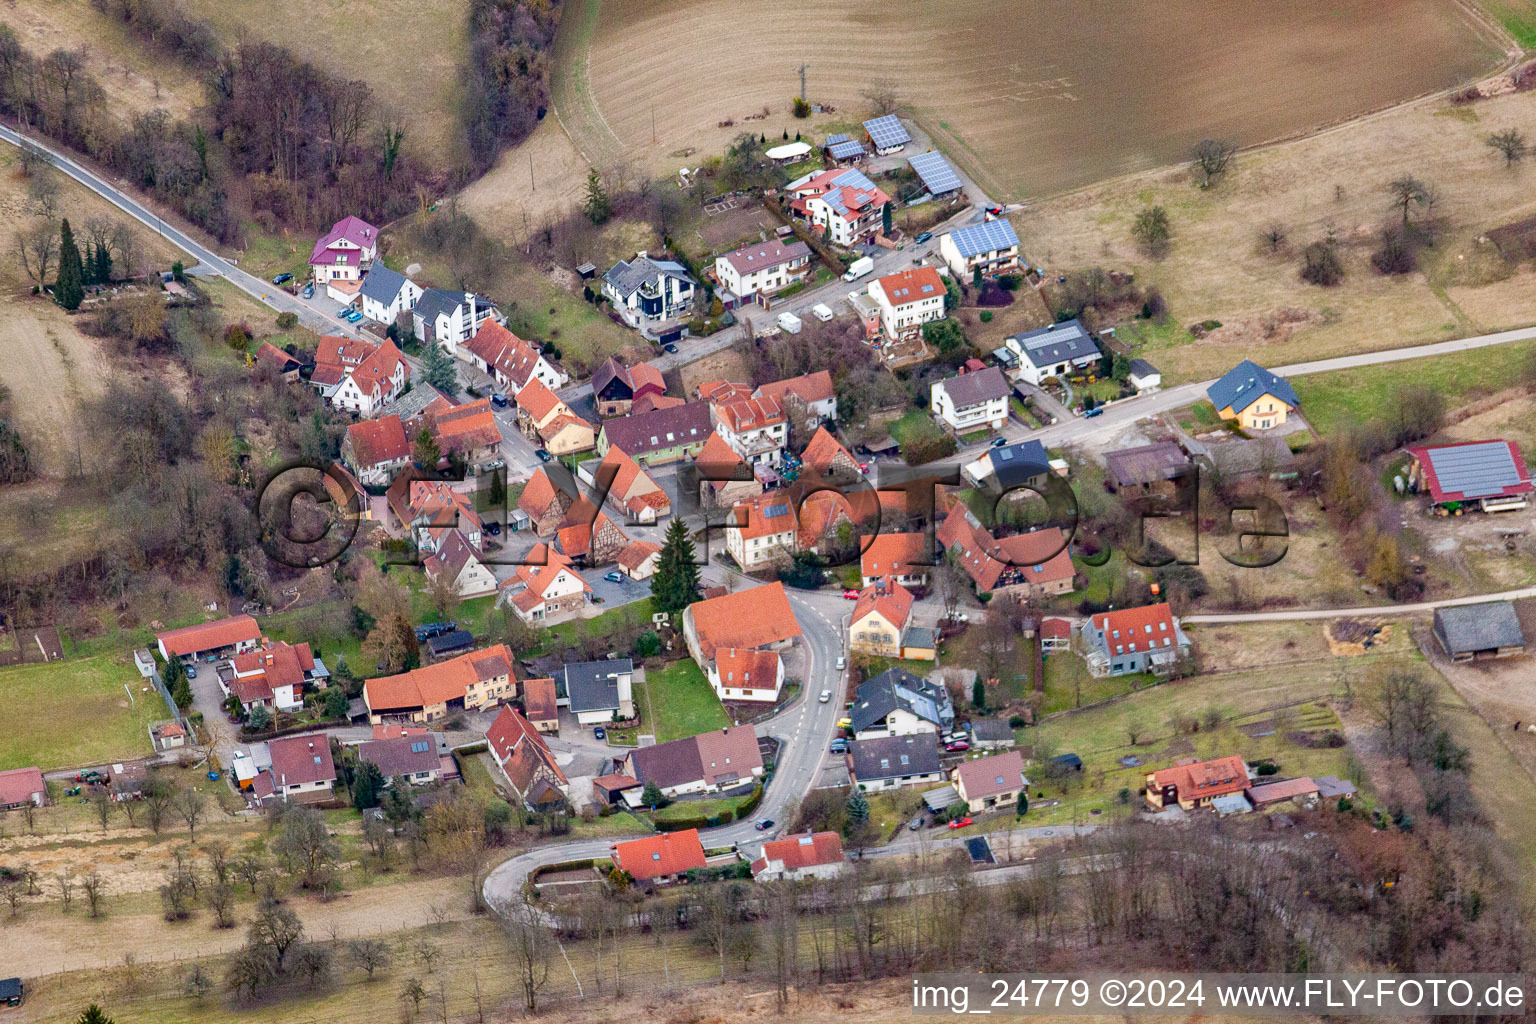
37 247
1211 159
1510 144
191 805
882 96
369 955
531 940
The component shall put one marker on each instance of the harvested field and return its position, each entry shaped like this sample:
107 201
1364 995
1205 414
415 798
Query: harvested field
1096 96
408 51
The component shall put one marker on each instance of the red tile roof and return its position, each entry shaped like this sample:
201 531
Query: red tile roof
811 387
1202 779
19 784
989 776
758 670
762 255
538 401
504 352
270 355
539 700
636 552
1141 628
207 636
299 759
799 852
825 453
1274 792
887 598
650 403
540 492
1055 629
384 732
734 405
659 856
336 356
467 426
755 617
765 515
375 442
437 684
985 559
895 554
908 285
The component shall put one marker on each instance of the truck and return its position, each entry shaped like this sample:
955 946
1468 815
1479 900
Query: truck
858 268
790 322
822 312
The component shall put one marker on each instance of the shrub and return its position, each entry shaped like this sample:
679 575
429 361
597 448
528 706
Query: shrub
802 108
1320 265
1011 282
237 336
1396 254
1016 722
986 316
287 321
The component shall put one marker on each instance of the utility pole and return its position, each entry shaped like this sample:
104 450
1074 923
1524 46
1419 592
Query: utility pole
532 185
802 81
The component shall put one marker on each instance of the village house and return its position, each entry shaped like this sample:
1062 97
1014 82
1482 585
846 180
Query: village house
972 401
448 319
357 375
907 300
597 691
660 436
746 675
542 415
991 247
1196 783
345 251
826 521
842 203
891 762
526 761
22 786
375 450
903 557
544 586
386 295
826 455
169 735
468 430
880 617
412 758
279 362
1491 474
754 428
763 532
588 537
898 703
1477 632
1001 469
616 387
458 561
232 635
660 860
808 400
813 855
758 618
541 704
762 267
469 682
630 489
639 558
1144 376
841 149
272 676
510 360
1058 351
1254 397
302 769
1145 468
992 734
438 509
712 761
990 782
1145 639
1028 565
646 292
725 479
547 497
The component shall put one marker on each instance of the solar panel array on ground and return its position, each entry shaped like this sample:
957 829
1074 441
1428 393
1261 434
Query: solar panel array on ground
938 177
886 132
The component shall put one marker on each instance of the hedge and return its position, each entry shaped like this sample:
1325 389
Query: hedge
566 865
472 748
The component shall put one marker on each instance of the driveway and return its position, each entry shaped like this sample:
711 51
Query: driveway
208 698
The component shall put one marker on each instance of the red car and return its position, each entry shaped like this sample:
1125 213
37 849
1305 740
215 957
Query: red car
961 823
957 745
852 595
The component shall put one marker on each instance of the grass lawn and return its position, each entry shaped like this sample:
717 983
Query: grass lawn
914 425
676 702
620 824
1069 684
566 633
69 713
700 808
1334 400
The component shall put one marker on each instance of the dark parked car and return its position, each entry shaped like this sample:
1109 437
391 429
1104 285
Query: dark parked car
669 347
599 733
765 825
998 442
309 290
499 401
494 529
543 455
282 279
920 239
1089 414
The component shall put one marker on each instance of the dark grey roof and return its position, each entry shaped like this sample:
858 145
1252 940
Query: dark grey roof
1142 368
402 755
1245 384
1467 628
382 284
435 302
993 730
895 688
919 637
1017 463
10 988
1058 343
980 239
894 757
458 640
594 685
976 387
1146 464
659 429
626 276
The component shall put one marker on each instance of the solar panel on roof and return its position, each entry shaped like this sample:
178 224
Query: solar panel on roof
833 140
988 237
1475 470
938 177
886 132
844 150
777 510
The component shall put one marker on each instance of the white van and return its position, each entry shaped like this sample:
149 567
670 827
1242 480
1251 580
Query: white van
821 311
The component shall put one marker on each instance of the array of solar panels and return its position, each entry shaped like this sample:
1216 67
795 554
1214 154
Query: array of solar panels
886 132
1475 470
993 236
841 147
938 177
